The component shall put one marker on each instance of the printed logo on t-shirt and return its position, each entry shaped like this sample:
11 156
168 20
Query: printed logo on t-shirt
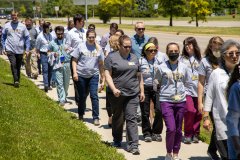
131 63
93 53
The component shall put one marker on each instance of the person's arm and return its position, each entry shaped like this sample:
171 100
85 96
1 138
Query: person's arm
27 40
201 82
74 68
141 85
3 40
211 91
110 83
102 76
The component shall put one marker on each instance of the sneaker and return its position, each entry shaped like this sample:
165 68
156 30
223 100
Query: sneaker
157 137
133 149
187 140
168 157
80 118
16 84
176 158
213 155
117 144
46 88
148 138
62 104
195 139
96 122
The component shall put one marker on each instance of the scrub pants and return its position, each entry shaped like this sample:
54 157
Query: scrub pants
173 116
192 117
62 81
125 108
46 69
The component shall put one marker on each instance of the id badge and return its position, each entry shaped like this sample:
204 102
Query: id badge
176 98
131 63
62 59
194 77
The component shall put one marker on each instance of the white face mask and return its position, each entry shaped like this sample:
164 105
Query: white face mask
217 54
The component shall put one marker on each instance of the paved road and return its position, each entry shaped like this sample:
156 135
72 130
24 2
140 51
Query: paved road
149 151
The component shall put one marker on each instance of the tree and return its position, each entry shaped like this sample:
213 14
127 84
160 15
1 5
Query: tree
172 8
115 5
199 9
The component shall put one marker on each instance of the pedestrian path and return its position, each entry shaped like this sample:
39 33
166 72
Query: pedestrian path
148 151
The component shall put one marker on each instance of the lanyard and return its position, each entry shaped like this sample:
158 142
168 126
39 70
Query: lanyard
60 46
48 39
191 63
175 78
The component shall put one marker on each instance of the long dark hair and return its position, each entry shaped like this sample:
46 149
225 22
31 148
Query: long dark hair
235 76
208 52
193 41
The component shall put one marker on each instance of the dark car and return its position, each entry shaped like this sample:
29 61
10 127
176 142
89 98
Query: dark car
2 16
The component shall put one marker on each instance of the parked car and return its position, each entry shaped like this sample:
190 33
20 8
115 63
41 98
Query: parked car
2 16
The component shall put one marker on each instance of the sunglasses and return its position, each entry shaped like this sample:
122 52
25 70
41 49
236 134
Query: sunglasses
59 34
152 50
173 51
141 29
127 47
231 54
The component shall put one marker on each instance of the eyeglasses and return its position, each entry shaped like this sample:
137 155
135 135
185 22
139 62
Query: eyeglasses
59 33
91 37
152 50
231 54
187 44
91 28
141 29
127 47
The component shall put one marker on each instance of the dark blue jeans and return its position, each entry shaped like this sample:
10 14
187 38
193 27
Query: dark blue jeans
46 69
84 86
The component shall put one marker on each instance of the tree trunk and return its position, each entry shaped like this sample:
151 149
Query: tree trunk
120 15
171 16
196 20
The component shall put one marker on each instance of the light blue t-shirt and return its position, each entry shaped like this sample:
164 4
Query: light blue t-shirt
147 69
43 41
193 64
88 59
14 37
172 82
138 43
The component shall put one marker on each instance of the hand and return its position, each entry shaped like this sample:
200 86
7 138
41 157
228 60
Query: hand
142 97
101 87
200 108
116 92
75 76
207 124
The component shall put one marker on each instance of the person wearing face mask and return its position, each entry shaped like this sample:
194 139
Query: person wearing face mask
215 97
170 81
42 42
87 65
191 56
60 60
15 37
207 65
233 115
31 59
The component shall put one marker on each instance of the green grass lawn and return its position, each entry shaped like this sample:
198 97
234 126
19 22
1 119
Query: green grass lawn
32 126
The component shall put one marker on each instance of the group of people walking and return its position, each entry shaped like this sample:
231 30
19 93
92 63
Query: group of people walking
179 86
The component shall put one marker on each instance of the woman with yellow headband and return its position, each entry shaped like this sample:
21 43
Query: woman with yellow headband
148 62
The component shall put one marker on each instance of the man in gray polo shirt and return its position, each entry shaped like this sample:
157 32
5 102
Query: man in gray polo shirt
14 36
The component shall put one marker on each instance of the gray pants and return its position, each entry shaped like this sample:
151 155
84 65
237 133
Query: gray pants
125 108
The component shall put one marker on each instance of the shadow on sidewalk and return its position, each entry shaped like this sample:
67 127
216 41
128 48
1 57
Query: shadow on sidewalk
158 158
199 158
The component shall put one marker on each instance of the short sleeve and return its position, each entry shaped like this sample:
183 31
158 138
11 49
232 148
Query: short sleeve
202 69
101 55
108 63
76 53
234 98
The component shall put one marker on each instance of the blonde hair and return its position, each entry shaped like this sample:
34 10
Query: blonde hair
113 41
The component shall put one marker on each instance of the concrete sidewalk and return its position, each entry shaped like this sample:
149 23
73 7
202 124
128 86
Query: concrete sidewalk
148 151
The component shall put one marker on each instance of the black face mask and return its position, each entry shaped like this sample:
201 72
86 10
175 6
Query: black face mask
173 56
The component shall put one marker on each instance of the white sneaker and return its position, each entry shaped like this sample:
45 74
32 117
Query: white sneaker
176 158
168 157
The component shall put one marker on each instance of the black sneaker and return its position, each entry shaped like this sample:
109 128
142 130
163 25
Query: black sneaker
80 118
213 155
16 84
157 137
195 139
46 88
148 138
187 140
133 149
117 144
